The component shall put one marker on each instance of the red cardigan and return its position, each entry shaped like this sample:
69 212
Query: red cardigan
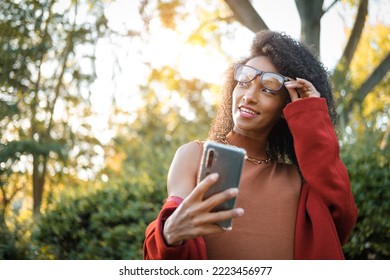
326 210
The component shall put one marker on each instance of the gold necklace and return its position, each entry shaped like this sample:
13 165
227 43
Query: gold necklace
252 160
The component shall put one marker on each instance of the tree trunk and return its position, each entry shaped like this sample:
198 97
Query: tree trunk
39 172
40 160
245 13
310 13
38 176
3 206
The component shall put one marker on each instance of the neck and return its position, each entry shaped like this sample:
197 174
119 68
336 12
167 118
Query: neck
255 147
259 137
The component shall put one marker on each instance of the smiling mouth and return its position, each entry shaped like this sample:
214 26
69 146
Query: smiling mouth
248 111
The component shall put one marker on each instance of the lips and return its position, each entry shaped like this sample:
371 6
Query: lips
247 112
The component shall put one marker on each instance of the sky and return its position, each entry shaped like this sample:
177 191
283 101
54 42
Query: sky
167 47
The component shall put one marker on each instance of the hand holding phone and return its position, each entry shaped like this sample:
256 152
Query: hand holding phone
228 162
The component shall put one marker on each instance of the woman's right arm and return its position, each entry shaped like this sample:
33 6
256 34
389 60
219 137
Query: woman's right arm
182 174
184 224
193 217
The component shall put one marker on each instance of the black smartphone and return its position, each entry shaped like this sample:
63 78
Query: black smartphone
228 162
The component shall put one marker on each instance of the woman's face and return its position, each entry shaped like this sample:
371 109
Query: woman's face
256 109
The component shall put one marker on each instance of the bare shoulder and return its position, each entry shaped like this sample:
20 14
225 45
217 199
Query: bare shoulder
182 175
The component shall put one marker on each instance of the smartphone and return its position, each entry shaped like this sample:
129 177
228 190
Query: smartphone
228 162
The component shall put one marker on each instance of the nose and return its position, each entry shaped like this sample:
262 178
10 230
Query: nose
251 94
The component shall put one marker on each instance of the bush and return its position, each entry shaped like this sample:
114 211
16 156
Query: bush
107 223
369 170
13 245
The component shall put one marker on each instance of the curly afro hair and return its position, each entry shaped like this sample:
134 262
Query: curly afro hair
292 59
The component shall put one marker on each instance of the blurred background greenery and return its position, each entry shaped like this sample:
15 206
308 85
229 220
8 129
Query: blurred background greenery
84 154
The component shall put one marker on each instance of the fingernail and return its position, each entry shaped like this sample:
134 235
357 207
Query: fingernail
214 176
239 211
234 191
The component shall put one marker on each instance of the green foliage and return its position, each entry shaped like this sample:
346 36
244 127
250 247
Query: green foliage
369 170
7 109
105 223
10 246
43 90
109 222
14 149
366 150
14 239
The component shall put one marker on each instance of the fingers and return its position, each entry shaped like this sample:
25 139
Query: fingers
194 216
219 198
301 88
224 215
210 216
206 224
214 200
208 229
203 186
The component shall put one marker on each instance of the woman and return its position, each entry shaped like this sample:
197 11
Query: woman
294 200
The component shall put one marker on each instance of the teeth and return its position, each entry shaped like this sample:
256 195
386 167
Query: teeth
249 111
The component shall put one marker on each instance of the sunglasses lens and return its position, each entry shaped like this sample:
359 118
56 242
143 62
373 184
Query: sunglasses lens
244 74
272 81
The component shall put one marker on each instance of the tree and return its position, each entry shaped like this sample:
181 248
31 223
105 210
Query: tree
46 59
174 110
360 79
311 13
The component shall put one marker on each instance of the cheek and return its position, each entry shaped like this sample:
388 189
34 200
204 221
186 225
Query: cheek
277 103
236 96
274 107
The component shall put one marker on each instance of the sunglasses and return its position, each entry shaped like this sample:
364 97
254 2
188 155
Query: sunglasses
271 81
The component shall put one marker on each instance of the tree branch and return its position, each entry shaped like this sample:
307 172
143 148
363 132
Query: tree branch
356 33
330 6
34 103
376 76
374 79
245 13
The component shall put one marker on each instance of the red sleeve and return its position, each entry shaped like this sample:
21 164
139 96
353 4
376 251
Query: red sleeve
155 247
317 151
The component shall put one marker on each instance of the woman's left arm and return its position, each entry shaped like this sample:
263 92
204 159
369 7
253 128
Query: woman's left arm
318 154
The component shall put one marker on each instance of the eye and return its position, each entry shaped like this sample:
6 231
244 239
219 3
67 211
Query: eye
268 91
243 85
